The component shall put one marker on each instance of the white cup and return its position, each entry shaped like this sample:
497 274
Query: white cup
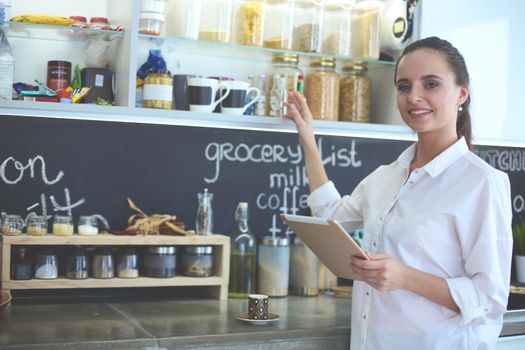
235 103
202 92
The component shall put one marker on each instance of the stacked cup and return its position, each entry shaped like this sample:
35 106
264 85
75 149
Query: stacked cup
151 16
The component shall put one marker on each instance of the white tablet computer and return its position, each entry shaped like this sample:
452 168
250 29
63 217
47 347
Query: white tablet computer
328 240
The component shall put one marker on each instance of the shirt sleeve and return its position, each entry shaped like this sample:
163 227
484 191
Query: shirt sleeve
486 243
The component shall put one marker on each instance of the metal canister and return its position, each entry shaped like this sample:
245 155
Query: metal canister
304 270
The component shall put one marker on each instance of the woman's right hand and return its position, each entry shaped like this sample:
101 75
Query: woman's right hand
300 114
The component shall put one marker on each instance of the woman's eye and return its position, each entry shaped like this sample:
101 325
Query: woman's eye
403 87
431 84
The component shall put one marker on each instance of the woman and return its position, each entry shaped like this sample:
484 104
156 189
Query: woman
437 220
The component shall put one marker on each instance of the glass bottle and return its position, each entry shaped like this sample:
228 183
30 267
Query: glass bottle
7 68
63 225
36 225
102 265
248 20
278 24
22 269
77 264
308 15
337 25
158 89
278 95
87 226
322 90
354 102
46 264
12 225
204 222
304 270
260 105
287 66
215 21
243 258
366 29
273 266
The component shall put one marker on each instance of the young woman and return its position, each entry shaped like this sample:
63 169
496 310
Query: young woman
437 221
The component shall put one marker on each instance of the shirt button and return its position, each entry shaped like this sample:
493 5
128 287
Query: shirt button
380 218
368 293
374 244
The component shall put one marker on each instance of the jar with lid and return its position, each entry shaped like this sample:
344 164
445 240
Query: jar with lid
36 225
337 26
273 266
22 268
354 102
77 264
287 66
215 24
366 29
322 90
150 23
278 24
160 262
80 23
102 265
308 19
197 261
87 225
304 270
127 263
158 89
248 21
98 23
183 18
12 225
46 264
63 225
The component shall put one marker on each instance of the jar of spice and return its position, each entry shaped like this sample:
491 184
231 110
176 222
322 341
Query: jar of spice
273 266
304 270
278 24
197 261
287 66
158 89
58 75
102 265
46 264
12 225
22 268
160 262
77 264
127 263
366 29
337 25
248 22
354 103
87 226
215 21
307 25
322 90
63 225
36 225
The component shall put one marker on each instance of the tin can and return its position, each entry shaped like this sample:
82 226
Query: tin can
58 74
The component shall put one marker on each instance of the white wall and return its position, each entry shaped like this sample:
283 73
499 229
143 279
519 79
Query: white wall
491 37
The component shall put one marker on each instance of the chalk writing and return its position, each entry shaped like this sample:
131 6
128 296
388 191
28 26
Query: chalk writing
19 169
505 160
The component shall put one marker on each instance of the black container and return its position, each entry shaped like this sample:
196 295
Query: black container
100 80
160 262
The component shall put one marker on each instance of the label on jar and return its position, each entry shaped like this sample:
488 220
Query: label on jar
99 80
158 92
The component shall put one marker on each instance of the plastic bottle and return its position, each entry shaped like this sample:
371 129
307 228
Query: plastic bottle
7 68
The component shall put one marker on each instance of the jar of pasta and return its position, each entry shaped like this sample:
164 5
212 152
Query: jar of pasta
278 24
366 29
63 225
322 90
337 24
215 21
248 19
158 89
37 225
354 102
308 15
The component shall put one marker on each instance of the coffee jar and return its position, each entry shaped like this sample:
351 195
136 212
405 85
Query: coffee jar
160 262
273 266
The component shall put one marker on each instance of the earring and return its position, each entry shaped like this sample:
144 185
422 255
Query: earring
460 109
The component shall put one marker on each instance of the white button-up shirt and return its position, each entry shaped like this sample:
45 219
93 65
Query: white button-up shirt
451 218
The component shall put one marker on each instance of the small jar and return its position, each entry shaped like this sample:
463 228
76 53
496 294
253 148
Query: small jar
354 102
37 225
12 225
308 15
127 263
273 266
184 18
248 20
278 24
80 22
337 26
304 270
156 6
197 261
98 23
160 262
366 29
63 225
46 264
215 21
58 75
322 90
102 265
150 23
87 226
77 264
158 89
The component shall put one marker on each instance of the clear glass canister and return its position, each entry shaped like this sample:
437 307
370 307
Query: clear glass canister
63 225
102 265
308 15
337 26
273 266
304 270
46 264
248 20
160 262
287 66
354 102
127 263
12 225
197 261
36 225
77 264
322 90
158 89
183 18
215 23
87 226
366 29
150 23
278 24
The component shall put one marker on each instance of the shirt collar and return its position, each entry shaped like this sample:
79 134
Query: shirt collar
439 163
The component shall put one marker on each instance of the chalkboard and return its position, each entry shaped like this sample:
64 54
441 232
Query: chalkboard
82 167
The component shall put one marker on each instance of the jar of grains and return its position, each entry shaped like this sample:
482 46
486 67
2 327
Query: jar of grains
307 21
12 225
37 225
158 89
366 29
127 263
248 19
215 21
337 24
278 24
354 103
322 90
197 261
63 225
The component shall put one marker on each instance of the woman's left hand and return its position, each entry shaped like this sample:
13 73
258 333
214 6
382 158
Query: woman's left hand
382 271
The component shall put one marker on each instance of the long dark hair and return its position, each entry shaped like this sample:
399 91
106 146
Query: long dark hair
458 66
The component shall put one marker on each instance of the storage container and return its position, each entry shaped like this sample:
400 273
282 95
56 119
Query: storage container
337 25
46 264
273 266
287 66
150 23
87 225
127 263
278 24
63 225
12 225
158 89
37 225
248 22
322 90
77 264
215 21
366 29
183 18
308 22
304 270
103 265
354 102
160 262
197 261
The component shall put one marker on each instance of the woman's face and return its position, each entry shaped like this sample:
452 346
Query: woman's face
427 95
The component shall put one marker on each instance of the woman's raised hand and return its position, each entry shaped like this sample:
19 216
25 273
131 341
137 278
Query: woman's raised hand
299 113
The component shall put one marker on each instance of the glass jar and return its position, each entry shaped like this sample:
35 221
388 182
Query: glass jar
150 23
248 20
63 225
278 24
308 15
36 225
366 29
204 222
158 89
337 26
46 264
215 24
22 268
354 103
12 225
287 66
102 265
322 90
77 264
98 23
127 263
304 270
87 226
197 261
183 18
160 262
273 266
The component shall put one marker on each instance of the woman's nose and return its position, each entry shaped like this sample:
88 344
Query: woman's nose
415 96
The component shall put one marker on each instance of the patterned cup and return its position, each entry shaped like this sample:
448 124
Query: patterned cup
258 307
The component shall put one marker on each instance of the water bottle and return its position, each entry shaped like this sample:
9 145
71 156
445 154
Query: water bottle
7 68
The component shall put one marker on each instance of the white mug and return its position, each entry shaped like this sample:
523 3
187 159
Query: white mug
235 103
202 92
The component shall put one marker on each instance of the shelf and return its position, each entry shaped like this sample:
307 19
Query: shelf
58 33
